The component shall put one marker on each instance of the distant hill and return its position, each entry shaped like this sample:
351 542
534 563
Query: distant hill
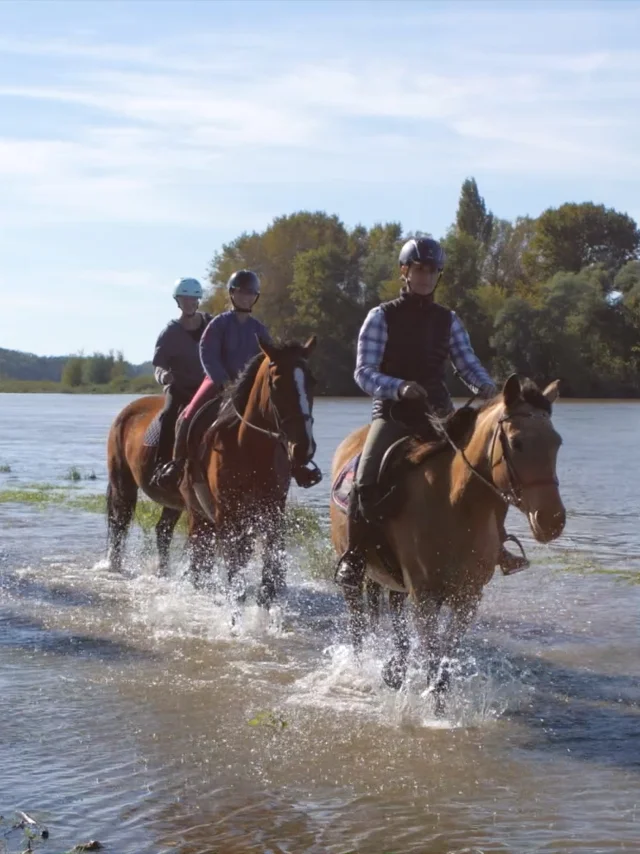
16 365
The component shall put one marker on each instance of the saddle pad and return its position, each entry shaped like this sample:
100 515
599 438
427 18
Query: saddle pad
343 483
152 436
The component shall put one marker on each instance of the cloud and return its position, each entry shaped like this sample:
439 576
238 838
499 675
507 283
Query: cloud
146 134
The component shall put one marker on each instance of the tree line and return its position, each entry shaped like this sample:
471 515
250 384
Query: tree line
557 296
108 372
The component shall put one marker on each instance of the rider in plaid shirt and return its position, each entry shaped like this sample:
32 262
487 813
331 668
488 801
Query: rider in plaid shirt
373 340
403 348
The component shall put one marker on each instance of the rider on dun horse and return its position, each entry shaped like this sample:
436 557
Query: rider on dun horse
402 350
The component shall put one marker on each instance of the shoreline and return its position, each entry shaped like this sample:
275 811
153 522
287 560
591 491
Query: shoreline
141 386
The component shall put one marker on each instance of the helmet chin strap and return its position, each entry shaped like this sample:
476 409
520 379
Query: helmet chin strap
407 284
187 314
243 310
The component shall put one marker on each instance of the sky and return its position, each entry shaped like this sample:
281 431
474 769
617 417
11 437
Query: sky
137 137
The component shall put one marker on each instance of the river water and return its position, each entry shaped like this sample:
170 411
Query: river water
133 711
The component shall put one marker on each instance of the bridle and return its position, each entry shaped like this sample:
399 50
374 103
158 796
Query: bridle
279 434
514 494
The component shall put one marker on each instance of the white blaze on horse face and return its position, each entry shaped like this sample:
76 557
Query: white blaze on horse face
298 375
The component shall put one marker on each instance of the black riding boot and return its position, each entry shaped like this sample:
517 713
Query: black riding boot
352 565
170 475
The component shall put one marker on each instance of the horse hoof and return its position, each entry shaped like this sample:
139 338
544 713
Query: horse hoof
393 674
266 594
439 709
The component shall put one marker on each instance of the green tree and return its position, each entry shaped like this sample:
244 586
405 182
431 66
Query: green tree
628 277
379 269
503 263
272 255
119 368
458 289
325 307
517 343
72 372
472 217
574 236
97 368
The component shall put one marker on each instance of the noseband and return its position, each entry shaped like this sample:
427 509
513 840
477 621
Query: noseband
515 493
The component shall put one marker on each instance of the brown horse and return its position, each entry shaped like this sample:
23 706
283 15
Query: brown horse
244 464
445 536
130 464
239 487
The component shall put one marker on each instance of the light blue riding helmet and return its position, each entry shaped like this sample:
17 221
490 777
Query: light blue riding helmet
187 288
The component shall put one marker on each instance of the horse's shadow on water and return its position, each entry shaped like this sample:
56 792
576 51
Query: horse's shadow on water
580 713
32 634
53 593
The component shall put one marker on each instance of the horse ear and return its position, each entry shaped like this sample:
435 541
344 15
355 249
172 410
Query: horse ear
310 346
267 348
552 391
511 391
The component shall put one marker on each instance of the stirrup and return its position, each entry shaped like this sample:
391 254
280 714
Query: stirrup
525 560
169 475
344 562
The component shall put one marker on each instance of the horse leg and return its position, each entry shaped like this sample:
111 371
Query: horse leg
462 615
373 603
122 495
432 651
164 534
237 545
395 669
273 571
357 618
201 540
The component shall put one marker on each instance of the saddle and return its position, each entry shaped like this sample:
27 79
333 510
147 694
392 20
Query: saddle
151 437
201 423
403 456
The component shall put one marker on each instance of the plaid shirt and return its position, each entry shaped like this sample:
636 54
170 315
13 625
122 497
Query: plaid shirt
373 339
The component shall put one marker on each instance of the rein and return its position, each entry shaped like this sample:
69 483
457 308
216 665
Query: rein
514 495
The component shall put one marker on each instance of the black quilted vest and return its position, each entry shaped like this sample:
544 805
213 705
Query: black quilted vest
417 350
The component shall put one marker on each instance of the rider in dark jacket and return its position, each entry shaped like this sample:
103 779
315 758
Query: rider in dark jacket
177 362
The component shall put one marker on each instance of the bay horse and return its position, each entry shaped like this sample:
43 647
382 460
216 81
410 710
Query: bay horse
278 413
238 488
444 537
130 465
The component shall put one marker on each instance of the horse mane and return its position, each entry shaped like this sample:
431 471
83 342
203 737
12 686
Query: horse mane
461 424
532 395
529 393
236 395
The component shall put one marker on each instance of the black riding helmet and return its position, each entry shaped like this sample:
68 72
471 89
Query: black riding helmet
422 250
246 281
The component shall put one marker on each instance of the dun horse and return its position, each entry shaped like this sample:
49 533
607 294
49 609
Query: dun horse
237 478
444 537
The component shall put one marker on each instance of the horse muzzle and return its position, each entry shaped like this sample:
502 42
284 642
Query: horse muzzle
302 453
547 524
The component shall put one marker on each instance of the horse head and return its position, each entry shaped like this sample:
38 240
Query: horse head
288 389
522 452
